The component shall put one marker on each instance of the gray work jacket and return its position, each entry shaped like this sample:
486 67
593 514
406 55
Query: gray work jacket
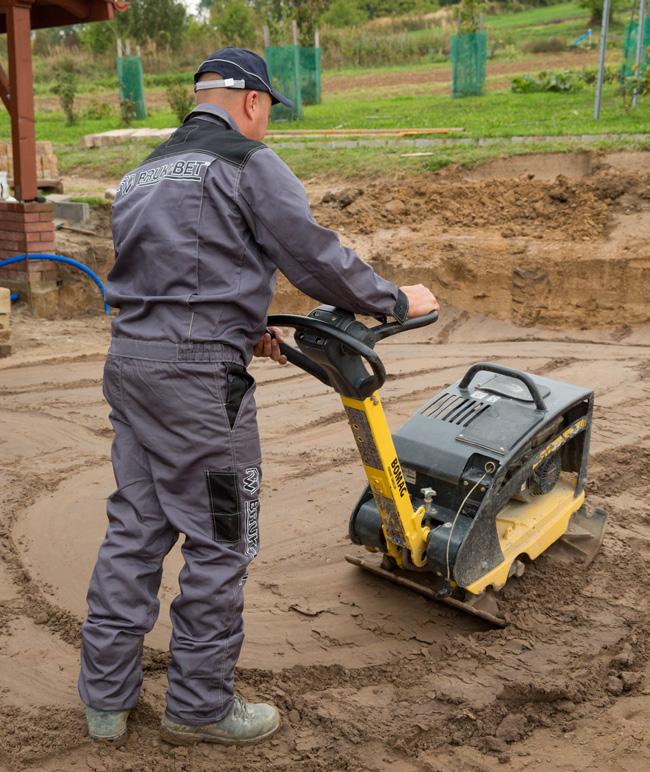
200 229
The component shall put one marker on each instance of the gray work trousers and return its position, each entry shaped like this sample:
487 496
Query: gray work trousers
186 457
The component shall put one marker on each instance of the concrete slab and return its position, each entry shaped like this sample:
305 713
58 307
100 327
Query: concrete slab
72 211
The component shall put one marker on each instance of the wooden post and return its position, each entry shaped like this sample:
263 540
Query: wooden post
23 132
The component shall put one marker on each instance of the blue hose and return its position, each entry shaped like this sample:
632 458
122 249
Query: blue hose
65 261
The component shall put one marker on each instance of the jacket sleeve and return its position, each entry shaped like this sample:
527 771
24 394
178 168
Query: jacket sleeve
274 204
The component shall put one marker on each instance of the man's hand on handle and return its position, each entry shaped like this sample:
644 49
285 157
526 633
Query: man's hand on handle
421 300
269 346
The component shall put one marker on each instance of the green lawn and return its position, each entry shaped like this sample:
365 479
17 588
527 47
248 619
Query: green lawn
549 15
51 126
498 113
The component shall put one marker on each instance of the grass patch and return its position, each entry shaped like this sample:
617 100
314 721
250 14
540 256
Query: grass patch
90 200
542 16
51 126
103 163
498 113
362 162
111 163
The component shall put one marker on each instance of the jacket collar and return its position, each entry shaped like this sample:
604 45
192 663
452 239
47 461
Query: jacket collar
217 112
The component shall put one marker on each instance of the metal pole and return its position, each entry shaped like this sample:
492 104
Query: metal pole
267 36
601 61
294 32
639 50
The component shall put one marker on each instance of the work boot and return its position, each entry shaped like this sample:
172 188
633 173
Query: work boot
107 726
246 723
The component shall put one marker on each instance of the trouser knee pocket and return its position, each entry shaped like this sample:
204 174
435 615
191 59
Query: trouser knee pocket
235 507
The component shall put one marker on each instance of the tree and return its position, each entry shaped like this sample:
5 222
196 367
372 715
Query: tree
160 21
98 37
345 13
235 20
596 9
469 15
307 13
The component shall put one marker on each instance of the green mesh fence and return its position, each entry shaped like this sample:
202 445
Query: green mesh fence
468 60
284 68
310 75
131 78
629 48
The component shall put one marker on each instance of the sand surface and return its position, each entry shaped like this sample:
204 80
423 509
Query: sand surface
368 676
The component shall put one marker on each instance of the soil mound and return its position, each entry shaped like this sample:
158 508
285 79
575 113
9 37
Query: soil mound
558 252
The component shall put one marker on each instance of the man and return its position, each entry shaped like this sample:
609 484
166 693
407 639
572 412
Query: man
200 229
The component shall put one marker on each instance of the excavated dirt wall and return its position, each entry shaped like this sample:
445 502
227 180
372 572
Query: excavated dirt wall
541 248
559 240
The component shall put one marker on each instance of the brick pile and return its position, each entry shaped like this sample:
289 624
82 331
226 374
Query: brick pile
46 164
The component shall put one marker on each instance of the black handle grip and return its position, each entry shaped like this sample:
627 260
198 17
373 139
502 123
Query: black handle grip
508 371
374 382
382 331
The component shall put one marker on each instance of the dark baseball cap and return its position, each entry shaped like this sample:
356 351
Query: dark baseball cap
241 68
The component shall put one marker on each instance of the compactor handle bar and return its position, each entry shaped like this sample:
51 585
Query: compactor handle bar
530 384
387 329
352 343
327 331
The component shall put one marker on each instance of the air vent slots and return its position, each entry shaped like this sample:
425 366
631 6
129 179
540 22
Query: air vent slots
454 409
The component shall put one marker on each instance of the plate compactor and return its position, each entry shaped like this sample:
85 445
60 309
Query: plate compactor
488 474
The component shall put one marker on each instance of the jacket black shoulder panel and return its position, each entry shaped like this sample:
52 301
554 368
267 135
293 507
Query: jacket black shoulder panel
197 135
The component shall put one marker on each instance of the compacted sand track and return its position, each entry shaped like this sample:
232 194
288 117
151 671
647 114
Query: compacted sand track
368 676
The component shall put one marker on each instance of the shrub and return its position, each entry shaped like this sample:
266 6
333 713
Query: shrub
180 99
567 81
127 111
65 87
545 45
96 110
561 82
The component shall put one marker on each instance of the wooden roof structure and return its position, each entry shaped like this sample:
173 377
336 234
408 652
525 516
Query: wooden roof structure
17 19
